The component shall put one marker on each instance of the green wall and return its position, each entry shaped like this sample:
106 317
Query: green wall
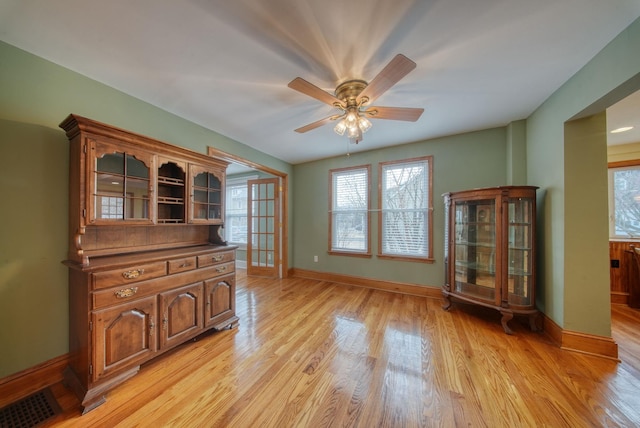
35 96
33 234
476 159
571 286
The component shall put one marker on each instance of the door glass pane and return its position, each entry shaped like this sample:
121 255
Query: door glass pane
109 183
200 180
214 211
136 168
112 162
137 208
137 187
200 196
214 182
109 207
200 210
475 257
519 251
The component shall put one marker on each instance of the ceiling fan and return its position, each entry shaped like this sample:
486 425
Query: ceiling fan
353 98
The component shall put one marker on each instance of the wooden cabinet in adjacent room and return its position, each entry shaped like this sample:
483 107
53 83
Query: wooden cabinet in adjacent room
490 250
148 269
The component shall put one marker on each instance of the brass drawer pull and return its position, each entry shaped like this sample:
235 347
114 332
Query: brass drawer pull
184 265
221 269
126 292
217 258
132 274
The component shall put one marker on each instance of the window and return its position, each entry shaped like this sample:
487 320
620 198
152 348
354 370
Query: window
111 207
406 207
235 224
624 202
349 210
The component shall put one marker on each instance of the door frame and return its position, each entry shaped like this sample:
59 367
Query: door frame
283 193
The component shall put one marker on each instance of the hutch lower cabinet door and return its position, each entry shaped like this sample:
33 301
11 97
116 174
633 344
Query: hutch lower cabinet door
134 321
490 250
181 312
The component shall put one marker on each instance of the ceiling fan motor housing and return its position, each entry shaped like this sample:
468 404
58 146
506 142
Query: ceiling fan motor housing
348 91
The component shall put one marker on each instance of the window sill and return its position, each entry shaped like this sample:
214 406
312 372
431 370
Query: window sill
349 254
406 258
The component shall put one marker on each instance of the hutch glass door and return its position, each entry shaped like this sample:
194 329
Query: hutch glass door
122 188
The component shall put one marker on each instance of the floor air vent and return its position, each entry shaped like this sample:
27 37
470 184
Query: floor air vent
30 411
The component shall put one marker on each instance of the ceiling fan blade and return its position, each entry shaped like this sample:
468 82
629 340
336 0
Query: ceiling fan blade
394 113
397 68
317 123
301 85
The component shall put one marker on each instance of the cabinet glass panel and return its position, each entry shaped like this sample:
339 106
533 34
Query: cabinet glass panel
519 251
207 195
475 255
122 188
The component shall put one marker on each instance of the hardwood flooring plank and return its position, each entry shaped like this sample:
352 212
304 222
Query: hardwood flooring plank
313 353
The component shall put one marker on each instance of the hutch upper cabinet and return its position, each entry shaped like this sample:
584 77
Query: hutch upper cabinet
490 250
148 269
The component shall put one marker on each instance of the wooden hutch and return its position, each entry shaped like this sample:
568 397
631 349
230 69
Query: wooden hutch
148 268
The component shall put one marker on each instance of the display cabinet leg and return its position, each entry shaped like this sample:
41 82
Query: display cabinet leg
506 317
533 322
447 303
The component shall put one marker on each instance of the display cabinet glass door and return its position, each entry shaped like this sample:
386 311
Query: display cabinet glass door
520 263
206 196
475 249
122 185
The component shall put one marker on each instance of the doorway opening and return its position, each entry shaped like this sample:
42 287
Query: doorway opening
266 251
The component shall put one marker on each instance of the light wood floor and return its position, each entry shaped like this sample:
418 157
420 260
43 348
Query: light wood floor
317 354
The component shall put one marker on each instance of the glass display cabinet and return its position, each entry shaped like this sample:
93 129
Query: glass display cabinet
490 250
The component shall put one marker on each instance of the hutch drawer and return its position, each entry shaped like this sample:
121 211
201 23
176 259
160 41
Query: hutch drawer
213 258
182 265
129 274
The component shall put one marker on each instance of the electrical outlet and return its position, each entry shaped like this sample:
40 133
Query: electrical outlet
315 259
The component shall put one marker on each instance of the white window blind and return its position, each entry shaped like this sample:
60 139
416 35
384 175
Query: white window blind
350 210
235 226
405 208
624 202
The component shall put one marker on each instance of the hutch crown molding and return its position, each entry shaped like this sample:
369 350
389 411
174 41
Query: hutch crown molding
148 269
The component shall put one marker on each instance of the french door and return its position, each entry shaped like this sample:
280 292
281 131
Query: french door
263 245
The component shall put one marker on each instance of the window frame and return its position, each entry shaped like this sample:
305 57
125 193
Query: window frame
345 252
629 164
428 258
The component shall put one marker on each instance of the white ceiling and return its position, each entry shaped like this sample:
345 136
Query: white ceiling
225 64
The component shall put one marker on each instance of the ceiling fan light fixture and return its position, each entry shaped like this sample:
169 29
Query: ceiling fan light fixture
340 127
351 118
354 132
364 124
